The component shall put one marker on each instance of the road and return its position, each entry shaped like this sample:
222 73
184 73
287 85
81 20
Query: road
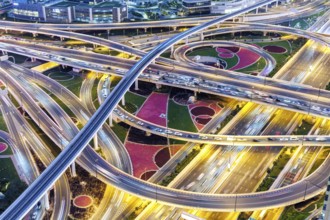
77 145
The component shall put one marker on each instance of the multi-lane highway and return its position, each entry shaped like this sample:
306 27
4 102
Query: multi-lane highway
70 153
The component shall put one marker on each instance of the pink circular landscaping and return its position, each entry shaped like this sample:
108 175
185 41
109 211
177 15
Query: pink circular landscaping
202 110
162 157
226 55
202 120
83 201
146 175
3 147
275 49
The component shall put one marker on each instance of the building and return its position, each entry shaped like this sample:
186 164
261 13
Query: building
196 7
90 11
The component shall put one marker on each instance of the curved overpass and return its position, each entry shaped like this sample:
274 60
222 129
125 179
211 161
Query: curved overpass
144 189
273 92
181 51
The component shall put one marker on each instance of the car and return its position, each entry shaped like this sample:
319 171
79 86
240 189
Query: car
34 215
140 123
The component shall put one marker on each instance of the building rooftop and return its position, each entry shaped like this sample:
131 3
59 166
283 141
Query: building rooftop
108 4
65 4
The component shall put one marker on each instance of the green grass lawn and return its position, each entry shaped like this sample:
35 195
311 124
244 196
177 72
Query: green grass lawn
7 169
304 128
3 125
204 51
179 117
10 183
256 67
132 102
120 131
73 85
231 61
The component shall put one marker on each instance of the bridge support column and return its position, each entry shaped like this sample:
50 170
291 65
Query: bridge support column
136 84
158 86
186 40
73 169
201 36
145 30
46 199
62 38
276 5
218 26
172 51
266 9
96 142
110 120
123 101
148 133
35 35
264 33
174 28
6 31
257 10
195 94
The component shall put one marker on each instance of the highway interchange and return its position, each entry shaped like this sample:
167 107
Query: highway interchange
283 196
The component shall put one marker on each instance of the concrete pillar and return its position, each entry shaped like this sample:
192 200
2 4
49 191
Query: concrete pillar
276 5
264 33
110 120
46 199
148 133
6 31
61 38
145 30
158 86
195 94
96 142
257 10
174 28
201 36
266 9
35 35
108 32
73 169
136 84
172 51
123 101
186 40
218 26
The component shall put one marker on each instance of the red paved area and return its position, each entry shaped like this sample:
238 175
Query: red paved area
83 201
3 147
275 49
202 112
246 58
154 109
142 157
162 157
174 149
224 52
147 175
